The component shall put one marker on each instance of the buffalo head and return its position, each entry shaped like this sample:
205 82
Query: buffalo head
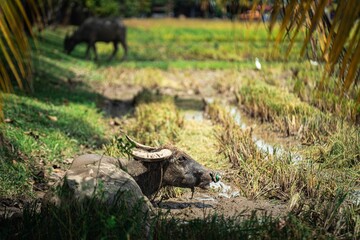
69 44
178 168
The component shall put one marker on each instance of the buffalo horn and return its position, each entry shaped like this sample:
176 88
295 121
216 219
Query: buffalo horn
139 145
151 156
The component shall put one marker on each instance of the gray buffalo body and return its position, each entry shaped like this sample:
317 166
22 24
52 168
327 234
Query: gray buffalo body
148 171
98 30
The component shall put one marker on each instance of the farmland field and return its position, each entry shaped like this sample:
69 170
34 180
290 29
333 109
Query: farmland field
285 149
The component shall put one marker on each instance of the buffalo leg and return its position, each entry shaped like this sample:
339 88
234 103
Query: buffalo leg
94 48
115 51
124 45
87 55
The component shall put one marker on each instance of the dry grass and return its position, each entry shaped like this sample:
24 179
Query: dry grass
156 120
315 192
199 141
288 113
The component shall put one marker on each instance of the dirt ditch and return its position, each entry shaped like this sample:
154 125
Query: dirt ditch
197 87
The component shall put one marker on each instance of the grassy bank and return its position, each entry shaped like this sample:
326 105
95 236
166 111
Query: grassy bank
60 119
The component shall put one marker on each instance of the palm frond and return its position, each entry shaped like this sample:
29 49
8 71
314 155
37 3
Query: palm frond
338 38
15 60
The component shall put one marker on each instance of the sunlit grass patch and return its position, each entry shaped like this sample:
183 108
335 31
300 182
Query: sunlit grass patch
168 40
156 119
156 123
40 133
55 122
47 129
198 140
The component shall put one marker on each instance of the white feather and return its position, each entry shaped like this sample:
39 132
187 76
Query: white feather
314 63
257 64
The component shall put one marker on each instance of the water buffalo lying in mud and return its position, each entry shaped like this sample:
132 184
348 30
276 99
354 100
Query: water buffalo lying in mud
98 30
150 170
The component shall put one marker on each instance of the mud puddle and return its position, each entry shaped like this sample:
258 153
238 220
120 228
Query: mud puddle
210 202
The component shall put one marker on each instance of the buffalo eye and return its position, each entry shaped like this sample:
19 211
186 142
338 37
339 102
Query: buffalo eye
182 159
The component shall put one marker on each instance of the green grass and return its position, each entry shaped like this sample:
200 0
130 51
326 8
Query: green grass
57 121
199 40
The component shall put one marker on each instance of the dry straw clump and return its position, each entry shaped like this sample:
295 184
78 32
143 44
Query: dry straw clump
156 120
288 113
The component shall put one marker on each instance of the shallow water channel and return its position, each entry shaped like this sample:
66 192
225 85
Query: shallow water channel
260 143
198 115
223 190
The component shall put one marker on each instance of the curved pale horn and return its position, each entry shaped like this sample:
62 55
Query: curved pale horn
139 145
151 156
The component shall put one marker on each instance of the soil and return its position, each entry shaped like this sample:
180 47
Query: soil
206 203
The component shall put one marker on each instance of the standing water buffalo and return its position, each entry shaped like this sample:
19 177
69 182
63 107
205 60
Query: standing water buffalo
150 170
98 30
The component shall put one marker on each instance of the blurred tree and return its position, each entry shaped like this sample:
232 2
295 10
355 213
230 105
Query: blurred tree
130 8
104 7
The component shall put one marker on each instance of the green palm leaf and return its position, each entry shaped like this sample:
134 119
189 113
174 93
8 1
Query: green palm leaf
15 61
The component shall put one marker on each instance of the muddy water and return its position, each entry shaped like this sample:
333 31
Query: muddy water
194 115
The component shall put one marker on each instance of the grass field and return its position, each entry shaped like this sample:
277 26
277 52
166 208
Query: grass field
65 116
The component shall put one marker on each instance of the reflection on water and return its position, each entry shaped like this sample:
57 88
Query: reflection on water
264 146
194 115
235 113
355 196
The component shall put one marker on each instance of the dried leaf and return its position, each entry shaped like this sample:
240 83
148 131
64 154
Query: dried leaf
8 120
52 118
